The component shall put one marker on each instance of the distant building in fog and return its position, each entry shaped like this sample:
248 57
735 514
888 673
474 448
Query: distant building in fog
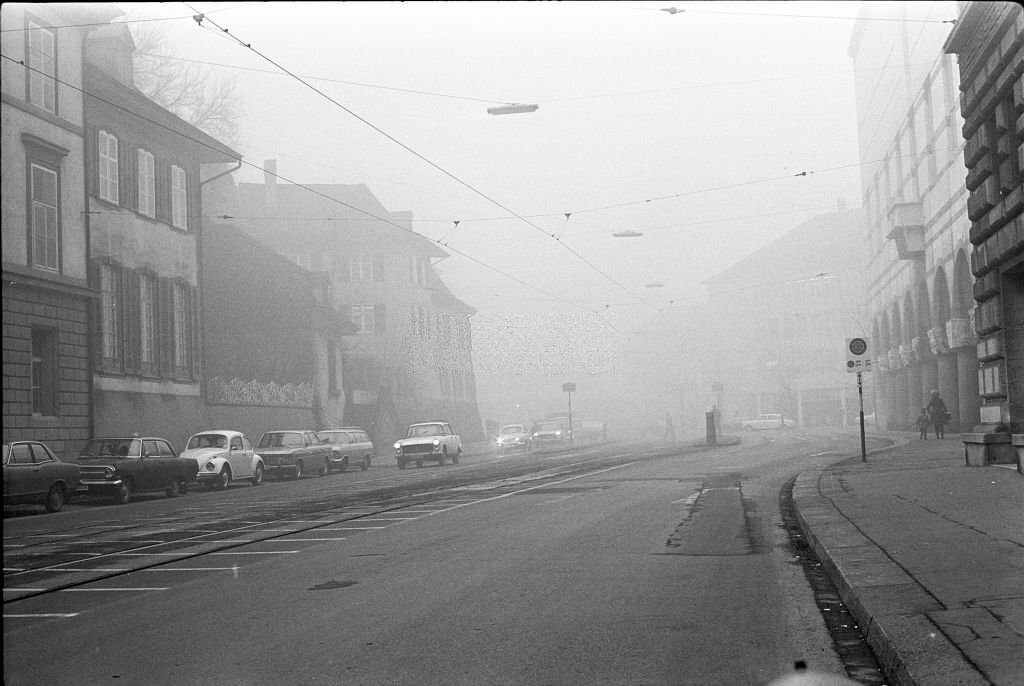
918 278
410 356
989 41
777 321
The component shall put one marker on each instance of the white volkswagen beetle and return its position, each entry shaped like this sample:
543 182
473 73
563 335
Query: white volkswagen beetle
223 457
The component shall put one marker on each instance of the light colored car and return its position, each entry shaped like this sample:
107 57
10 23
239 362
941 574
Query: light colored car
550 432
428 441
33 474
224 456
351 446
513 437
294 452
767 421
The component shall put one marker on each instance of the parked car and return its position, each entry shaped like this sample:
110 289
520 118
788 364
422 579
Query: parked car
434 441
123 466
513 437
550 432
223 457
294 452
767 421
34 475
350 446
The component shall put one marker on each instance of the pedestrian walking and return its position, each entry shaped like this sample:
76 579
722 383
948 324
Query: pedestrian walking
924 420
670 430
938 413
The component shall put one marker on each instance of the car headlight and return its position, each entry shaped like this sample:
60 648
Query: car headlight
109 473
398 447
210 466
437 442
558 434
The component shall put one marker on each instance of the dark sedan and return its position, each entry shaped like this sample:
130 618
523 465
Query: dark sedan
34 475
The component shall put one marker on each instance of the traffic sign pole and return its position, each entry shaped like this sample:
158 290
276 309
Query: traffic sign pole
860 394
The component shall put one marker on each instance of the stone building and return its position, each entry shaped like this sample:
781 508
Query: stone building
144 172
988 40
410 358
918 279
46 295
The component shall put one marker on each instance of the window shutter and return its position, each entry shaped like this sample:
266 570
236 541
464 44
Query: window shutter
92 166
195 355
125 165
380 319
163 191
96 325
132 325
165 337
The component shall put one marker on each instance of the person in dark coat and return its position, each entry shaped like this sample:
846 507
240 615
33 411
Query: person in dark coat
937 411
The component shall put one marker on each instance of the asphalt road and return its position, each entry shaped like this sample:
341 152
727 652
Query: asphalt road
660 565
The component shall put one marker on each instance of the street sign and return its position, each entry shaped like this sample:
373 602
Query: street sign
858 355
569 387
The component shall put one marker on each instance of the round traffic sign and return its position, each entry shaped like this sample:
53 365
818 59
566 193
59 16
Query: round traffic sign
858 346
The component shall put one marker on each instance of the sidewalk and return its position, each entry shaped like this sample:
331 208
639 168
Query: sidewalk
928 555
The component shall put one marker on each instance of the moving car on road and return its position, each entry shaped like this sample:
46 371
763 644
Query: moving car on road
767 421
33 474
550 432
428 441
223 457
513 437
350 446
123 466
294 452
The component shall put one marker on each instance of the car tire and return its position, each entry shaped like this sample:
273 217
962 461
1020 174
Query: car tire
326 468
455 457
257 477
297 473
440 460
55 498
223 479
365 464
173 489
124 493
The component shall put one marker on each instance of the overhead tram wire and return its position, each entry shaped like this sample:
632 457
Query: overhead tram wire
200 17
384 220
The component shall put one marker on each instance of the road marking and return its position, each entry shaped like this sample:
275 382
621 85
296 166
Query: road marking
93 569
386 519
354 528
293 540
139 555
256 552
189 569
114 590
23 589
61 615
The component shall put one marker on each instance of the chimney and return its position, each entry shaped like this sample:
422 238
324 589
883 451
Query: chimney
270 184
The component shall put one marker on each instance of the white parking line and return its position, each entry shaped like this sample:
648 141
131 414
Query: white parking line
256 552
94 569
114 590
42 615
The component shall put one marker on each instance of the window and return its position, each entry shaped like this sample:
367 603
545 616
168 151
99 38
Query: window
179 198
110 313
147 183
147 321
43 218
363 318
109 188
361 268
419 271
182 327
42 63
44 391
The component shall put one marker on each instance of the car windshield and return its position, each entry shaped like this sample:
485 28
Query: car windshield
281 439
335 437
418 430
513 429
206 441
113 447
547 426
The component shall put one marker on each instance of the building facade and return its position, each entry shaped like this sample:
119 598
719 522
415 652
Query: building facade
46 295
410 358
919 285
779 320
988 40
144 172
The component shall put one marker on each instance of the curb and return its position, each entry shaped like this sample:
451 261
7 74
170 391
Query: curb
888 604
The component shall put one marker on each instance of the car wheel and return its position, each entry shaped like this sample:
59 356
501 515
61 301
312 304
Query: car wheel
298 470
257 477
223 479
55 498
365 464
440 460
124 493
173 489
323 470
455 457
